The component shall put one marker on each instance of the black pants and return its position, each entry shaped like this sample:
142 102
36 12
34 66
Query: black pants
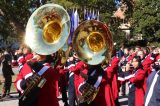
7 84
71 91
85 104
117 102
31 99
123 89
131 98
64 94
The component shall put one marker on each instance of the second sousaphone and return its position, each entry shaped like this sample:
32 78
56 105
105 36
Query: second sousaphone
92 42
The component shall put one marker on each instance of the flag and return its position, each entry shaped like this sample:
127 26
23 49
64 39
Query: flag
93 15
42 2
98 15
76 19
89 15
72 27
85 12
118 3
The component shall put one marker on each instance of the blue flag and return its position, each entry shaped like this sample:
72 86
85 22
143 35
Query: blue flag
85 12
86 15
76 19
72 27
98 15
89 15
118 3
93 15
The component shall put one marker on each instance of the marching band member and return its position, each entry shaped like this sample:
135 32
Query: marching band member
136 78
71 61
63 86
7 74
152 95
101 79
112 72
108 92
44 96
93 78
14 59
76 69
62 82
148 60
24 54
126 58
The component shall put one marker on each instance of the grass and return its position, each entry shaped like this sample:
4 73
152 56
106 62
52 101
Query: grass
13 89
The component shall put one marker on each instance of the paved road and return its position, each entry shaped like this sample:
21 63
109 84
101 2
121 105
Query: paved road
14 101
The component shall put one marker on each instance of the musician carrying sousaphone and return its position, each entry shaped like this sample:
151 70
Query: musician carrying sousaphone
47 30
92 42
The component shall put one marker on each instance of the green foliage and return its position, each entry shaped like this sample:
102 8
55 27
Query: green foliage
156 44
5 29
14 16
64 3
146 18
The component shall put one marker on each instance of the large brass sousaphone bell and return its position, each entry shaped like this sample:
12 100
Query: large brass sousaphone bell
47 29
92 42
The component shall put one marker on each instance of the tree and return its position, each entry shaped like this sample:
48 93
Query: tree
14 15
146 19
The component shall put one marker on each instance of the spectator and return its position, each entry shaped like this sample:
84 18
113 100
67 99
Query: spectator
7 74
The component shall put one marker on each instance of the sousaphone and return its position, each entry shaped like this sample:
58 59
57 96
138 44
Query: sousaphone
92 41
48 29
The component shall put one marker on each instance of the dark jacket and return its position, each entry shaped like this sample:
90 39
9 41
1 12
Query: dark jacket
152 97
6 66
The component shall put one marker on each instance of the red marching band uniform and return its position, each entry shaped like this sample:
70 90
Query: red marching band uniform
47 94
108 92
146 63
112 71
138 78
76 68
107 82
23 59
